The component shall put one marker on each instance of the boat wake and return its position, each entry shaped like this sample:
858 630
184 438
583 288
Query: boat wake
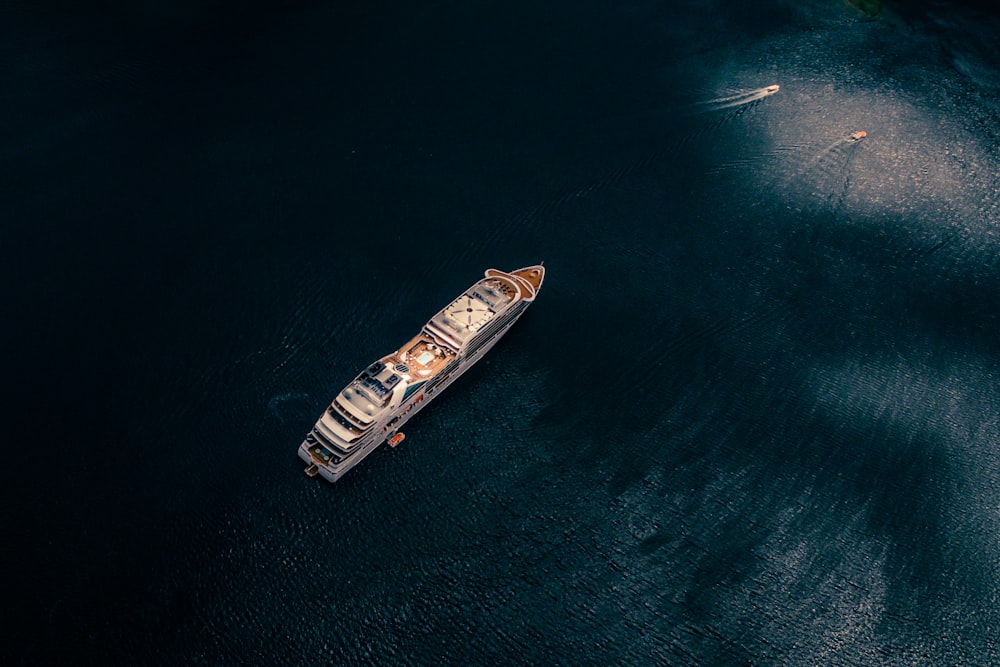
837 147
738 99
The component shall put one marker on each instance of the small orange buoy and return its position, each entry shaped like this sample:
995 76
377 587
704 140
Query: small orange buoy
858 136
396 439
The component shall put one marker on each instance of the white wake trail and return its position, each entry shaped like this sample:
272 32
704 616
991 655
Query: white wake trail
739 99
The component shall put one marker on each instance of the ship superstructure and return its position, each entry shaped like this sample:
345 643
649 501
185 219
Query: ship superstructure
375 405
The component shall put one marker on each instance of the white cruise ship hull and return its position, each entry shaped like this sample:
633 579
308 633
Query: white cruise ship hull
374 407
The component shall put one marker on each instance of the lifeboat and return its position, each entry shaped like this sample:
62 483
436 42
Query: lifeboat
859 135
396 439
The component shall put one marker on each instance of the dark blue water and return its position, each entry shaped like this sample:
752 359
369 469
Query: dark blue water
752 418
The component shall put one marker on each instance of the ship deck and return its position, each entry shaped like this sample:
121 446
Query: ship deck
529 279
423 357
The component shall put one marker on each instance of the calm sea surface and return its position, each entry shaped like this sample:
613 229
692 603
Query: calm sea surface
751 419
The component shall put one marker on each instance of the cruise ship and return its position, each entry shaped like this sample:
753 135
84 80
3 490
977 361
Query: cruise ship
378 402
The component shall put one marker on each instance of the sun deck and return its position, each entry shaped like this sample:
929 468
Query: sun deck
423 357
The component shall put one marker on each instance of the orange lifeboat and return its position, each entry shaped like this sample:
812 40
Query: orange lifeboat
859 135
396 439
